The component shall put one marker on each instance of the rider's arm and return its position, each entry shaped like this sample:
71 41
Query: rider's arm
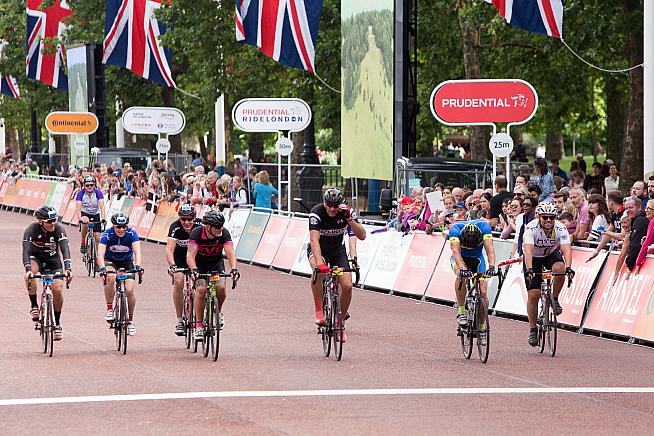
78 210
231 255
490 251
102 249
136 246
529 253
27 249
352 245
357 228
314 240
456 252
567 254
191 251
64 247
170 249
101 208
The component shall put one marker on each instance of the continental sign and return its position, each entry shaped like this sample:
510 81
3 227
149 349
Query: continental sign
68 123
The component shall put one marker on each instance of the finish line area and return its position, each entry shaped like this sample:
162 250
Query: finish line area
402 370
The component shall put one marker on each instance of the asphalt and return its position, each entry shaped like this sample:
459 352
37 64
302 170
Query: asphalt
270 345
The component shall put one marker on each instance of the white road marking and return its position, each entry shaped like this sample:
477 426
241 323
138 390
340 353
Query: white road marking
327 393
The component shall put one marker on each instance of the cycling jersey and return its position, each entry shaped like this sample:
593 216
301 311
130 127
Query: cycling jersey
41 245
545 243
486 233
90 203
331 229
119 248
209 257
177 233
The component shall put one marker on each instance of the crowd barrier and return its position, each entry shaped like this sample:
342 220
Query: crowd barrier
416 264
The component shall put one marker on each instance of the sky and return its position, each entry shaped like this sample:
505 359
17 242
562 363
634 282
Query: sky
353 7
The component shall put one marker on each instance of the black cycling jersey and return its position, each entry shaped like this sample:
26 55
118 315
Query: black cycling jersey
181 236
331 229
41 245
209 257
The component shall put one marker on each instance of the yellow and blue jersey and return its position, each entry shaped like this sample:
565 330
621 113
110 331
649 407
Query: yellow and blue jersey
486 232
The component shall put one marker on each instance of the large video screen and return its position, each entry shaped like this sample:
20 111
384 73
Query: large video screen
367 89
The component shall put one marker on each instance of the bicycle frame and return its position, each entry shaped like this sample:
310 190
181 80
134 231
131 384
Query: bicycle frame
332 330
46 322
121 307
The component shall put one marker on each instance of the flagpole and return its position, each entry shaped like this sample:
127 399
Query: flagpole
648 89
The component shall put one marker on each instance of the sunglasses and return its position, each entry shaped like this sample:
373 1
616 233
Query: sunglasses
216 227
186 219
89 186
50 221
526 205
120 226
548 217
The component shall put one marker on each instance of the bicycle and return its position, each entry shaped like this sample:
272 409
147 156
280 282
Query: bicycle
546 322
89 257
188 314
475 306
211 318
46 323
121 307
331 306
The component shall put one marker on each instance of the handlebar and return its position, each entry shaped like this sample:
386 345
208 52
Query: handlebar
128 271
335 271
220 275
555 274
54 276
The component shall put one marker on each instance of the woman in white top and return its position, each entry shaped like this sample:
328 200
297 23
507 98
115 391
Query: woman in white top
600 216
612 182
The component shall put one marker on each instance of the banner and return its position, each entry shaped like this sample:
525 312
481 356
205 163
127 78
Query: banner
271 239
69 213
249 240
236 224
574 299
301 263
290 248
367 84
367 249
616 305
166 214
441 285
645 325
502 250
419 264
388 260
136 214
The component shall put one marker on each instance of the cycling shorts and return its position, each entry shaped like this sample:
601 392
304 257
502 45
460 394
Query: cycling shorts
538 263
51 265
120 264
337 257
474 263
95 219
180 261
209 265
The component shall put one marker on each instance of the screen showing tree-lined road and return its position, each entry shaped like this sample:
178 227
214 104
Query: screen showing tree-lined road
367 98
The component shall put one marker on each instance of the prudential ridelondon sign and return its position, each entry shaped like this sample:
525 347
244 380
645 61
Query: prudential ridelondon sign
271 114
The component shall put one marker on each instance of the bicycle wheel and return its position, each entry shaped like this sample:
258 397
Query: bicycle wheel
466 334
115 324
551 330
87 256
543 315
92 255
480 313
215 348
188 318
337 325
325 330
41 327
124 321
49 326
208 327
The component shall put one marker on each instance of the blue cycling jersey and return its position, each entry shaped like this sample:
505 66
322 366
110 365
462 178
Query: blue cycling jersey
455 234
119 248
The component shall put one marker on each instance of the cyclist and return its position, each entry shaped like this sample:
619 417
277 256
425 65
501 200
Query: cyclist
205 256
119 248
178 235
328 223
545 241
43 243
90 208
468 240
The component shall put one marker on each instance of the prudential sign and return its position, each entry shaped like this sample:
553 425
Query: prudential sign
271 114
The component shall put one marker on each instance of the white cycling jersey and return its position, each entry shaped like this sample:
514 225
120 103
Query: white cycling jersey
545 243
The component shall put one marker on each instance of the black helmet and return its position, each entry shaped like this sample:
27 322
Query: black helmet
120 219
471 236
213 219
186 210
46 212
89 179
333 197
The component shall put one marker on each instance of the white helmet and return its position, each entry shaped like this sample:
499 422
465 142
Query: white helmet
547 209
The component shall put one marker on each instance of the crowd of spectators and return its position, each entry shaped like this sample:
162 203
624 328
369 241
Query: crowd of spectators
590 206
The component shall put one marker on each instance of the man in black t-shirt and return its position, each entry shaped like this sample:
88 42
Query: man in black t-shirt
595 180
178 235
498 199
639 223
205 256
328 224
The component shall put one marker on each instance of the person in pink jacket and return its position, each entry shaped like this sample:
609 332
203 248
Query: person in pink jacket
649 238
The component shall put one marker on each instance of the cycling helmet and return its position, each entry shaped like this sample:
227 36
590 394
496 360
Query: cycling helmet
213 219
186 210
547 209
470 236
333 197
89 179
120 219
46 212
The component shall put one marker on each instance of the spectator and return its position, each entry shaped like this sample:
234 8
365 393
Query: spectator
563 205
638 190
567 220
546 181
606 168
170 168
484 206
416 192
240 196
577 180
600 216
503 221
496 201
239 170
557 171
558 183
540 151
625 223
595 180
448 204
612 182
646 246
650 188
520 180
578 199
461 213
458 194
639 226
514 208
581 162
263 191
528 213
535 192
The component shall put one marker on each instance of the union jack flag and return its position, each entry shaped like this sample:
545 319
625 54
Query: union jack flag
8 86
285 30
131 40
536 16
45 63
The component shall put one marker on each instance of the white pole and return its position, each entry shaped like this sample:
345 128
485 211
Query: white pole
494 163
648 89
508 163
120 134
220 130
2 137
288 184
279 175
